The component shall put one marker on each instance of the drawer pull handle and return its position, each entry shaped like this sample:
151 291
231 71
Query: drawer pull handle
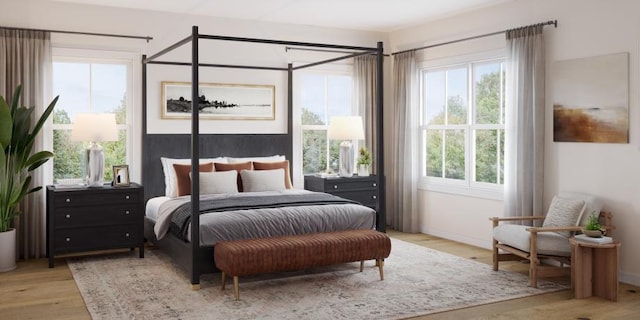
335 186
68 216
126 197
127 212
375 184
126 234
375 197
67 200
67 239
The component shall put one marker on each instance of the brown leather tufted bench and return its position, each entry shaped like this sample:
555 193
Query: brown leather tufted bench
254 256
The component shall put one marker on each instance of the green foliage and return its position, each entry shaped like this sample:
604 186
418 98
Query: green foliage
314 146
364 156
593 222
16 161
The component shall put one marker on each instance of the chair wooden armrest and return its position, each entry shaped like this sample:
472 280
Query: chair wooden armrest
553 229
516 218
495 220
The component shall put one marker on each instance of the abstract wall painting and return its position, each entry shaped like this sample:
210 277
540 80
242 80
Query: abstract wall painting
591 99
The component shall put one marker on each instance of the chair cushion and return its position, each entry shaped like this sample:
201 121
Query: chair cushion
593 203
549 243
564 212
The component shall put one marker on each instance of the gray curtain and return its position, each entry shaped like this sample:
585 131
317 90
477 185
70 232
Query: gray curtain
25 58
364 93
524 139
402 211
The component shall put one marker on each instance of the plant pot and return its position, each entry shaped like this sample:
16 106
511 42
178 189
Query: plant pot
592 233
8 250
363 170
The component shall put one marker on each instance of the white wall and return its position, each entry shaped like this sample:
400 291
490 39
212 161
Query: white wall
585 28
167 29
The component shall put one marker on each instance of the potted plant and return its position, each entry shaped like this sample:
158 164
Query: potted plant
364 161
16 164
592 227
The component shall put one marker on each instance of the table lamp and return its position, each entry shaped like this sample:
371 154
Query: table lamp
94 128
346 128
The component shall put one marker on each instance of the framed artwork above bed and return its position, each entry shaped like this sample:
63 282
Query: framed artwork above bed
219 101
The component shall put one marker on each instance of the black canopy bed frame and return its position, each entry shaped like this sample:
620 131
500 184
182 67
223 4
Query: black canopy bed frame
196 259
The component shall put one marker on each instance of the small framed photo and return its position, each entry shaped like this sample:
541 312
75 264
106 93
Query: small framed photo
121 176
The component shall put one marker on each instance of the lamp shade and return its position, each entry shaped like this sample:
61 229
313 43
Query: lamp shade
94 127
346 128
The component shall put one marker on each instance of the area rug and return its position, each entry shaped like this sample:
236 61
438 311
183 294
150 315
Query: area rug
418 281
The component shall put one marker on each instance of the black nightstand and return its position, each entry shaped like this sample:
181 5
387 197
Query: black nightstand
361 189
88 219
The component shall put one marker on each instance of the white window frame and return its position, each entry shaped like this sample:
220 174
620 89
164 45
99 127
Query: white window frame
79 55
328 70
468 186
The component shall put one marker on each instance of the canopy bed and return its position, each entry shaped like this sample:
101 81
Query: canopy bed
195 256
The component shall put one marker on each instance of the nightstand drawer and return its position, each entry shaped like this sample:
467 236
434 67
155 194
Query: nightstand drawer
368 198
96 238
67 217
346 185
68 199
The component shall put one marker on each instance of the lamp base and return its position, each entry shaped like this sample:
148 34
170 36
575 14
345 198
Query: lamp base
94 165
346 159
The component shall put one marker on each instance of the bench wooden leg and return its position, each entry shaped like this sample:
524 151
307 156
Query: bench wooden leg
224 280
380 263
236 287
361 265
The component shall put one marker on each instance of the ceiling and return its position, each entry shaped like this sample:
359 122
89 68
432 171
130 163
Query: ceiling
368 15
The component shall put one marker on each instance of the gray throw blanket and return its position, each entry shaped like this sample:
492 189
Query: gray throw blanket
181 218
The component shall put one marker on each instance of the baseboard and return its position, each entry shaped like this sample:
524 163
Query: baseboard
630 278
486 244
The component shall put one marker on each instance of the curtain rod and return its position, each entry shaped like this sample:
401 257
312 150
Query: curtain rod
84 33
550 22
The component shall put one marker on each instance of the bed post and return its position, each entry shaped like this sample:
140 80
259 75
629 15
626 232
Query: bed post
381 223
143 141
290 114
195 161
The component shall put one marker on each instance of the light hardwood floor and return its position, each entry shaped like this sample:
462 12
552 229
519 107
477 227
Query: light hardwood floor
33 291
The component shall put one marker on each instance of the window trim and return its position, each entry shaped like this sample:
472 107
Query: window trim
83 55
329 70
467 187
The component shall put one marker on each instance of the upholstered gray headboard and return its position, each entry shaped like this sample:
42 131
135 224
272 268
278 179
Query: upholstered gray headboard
211 145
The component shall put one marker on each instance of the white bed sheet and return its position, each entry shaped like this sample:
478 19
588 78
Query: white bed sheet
153 206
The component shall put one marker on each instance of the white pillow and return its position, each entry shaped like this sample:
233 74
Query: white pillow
219 182
593 204
564 213
259 159
170 180
262 180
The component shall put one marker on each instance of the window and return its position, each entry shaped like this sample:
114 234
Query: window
323 95
89 85
462 125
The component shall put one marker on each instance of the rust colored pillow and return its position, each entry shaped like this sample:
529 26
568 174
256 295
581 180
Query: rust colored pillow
234 166
276 165
183 179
